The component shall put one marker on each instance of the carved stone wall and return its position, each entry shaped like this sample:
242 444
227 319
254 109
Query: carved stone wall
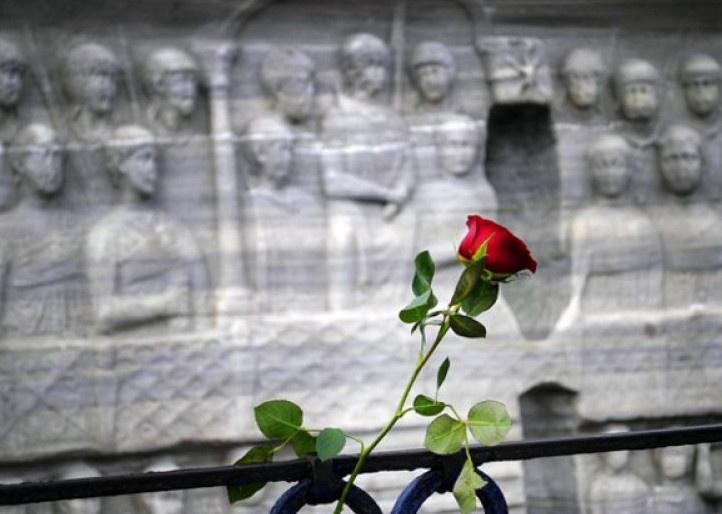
206 205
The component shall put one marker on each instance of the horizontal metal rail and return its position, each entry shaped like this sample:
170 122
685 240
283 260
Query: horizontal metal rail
299 469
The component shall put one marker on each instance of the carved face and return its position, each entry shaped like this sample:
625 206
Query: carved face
434 81
165 502
368 76
97 89
681 165
140 170
640 101
610 173
294 97
675 461
11 84
42 169
179 90
582 88
457 150
274 158
702 95
616 461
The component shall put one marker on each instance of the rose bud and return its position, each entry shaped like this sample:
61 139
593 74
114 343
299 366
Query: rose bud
506 254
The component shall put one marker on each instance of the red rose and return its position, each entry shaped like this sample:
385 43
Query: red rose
505 253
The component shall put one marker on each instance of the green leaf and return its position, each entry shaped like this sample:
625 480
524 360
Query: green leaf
465 326
278 419
467 281
489 422
303 443
441 374
426 406
444 435
465 488
425 269
257 454
417 309
481 298
330 443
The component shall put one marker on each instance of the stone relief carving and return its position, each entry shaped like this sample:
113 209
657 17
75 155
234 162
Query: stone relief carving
13 68
288 76
433 71
615 249
676 492
91 73
42 279
172 81
84 506
367 179
281 219
617 489
368 183
687 224
584 77
639 91
516 69
143 266
707 474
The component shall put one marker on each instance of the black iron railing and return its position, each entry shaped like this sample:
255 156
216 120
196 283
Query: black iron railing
319 482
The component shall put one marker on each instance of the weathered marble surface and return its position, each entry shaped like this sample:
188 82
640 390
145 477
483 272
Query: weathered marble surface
278 165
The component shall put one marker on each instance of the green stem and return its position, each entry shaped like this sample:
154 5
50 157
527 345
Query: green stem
398 414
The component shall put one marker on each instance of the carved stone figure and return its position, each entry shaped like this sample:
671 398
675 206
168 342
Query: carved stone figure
78 506
366 179
701 77
446 200
615 489
638 90
676 493
171 78
615 250
13 67
288 75
42 273
145 268
433 72
689 227
90 74
583 73
281 220
162 502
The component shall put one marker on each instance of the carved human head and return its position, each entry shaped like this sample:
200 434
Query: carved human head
78 506
457 139
675 461
638 89
162 502
608 159
365 60
433 70
171 76
289 76
13 66
680 159
91 73
616 461
36 159
701 77
270 149
583 71
132 158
